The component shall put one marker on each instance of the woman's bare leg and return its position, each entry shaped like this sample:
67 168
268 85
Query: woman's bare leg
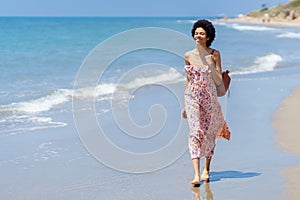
205 173
196 165
207 164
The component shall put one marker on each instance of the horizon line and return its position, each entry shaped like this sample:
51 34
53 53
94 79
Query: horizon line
108 16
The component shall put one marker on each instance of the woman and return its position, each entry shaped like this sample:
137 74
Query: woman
202 108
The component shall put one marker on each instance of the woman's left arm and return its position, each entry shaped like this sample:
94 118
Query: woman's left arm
217 58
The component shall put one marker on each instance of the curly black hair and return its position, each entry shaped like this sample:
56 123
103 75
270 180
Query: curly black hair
208 27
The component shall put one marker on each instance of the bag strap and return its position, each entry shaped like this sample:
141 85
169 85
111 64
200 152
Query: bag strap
213 51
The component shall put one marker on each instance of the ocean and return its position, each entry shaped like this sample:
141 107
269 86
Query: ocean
41 62
41 57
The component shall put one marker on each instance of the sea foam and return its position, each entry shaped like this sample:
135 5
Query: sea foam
291 35
102 91
241 27
261 64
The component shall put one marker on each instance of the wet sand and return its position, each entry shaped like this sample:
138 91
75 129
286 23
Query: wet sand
286 117
285 121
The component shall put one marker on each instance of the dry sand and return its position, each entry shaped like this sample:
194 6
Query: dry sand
272 22
286 121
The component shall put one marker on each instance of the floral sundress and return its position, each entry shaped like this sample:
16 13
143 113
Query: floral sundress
204 114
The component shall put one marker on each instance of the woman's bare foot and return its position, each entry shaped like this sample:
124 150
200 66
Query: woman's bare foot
205 175
196 180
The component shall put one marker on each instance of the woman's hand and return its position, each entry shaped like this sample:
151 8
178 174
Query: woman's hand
184 114
216 56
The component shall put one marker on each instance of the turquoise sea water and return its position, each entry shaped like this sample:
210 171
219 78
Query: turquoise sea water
41 57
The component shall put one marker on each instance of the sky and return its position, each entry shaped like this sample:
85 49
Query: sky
129 8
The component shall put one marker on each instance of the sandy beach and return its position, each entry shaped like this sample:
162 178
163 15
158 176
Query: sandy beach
285 121
259 21
286 117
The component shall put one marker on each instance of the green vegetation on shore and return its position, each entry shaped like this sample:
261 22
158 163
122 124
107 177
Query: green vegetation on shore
285 11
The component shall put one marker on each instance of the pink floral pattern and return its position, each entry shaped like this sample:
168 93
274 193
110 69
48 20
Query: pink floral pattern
204 114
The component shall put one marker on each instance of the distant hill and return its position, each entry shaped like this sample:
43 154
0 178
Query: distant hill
286 11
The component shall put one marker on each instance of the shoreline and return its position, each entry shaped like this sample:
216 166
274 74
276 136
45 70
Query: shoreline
247 167
259 21
285 122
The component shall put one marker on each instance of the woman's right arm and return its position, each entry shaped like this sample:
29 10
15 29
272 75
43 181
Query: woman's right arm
186 82
184 111
187 62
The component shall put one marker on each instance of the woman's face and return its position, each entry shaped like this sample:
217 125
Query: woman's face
200 36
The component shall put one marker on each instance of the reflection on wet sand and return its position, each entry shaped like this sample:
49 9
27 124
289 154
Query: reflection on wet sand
208 192
217 176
